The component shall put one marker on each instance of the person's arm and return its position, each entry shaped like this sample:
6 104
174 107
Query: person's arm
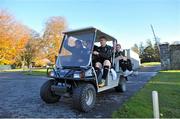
119 55
95 50
67 46
123 53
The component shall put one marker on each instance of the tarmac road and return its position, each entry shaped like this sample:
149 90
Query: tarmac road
19 97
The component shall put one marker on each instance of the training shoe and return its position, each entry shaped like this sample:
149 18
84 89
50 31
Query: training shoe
102 83
127 73
135 73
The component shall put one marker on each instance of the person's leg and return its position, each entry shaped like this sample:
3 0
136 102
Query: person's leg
98 67
116 64
129 65
122 64
107 66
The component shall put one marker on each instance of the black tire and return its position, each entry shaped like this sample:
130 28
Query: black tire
46 94
81 100
122 85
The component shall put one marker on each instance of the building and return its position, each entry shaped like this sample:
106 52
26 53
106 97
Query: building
134 58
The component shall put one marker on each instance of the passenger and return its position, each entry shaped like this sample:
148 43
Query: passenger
103 57
123 61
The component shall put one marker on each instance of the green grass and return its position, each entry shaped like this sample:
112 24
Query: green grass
150 64
167 83
36 72
12 70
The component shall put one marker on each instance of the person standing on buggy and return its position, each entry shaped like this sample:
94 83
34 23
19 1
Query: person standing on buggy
124 63
102 56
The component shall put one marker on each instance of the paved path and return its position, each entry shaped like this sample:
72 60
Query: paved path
19 97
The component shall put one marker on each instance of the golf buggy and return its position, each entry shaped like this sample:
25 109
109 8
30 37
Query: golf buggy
74 73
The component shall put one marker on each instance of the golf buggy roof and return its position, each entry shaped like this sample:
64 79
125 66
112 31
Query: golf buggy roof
91 29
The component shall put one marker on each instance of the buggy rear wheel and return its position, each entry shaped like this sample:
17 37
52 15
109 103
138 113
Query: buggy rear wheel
47 95
84 97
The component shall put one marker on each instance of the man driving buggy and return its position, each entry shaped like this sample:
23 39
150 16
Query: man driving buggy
78 51
103 57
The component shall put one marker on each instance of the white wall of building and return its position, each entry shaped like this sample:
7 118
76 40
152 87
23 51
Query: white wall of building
134 58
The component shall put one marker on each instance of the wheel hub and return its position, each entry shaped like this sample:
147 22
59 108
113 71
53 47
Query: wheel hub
89 97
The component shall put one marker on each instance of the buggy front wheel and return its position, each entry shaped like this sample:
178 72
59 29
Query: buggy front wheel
84 97
47 94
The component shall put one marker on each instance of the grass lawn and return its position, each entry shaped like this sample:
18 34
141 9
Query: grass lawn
36 72
150 64
167 83
12 70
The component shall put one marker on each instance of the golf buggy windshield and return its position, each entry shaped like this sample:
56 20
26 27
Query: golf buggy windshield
76 49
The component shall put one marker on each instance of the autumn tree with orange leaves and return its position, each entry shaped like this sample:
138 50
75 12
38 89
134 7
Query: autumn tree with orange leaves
53 36
33 49
13 38
22 45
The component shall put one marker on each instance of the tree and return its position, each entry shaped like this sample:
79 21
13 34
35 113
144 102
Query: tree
13 38
148 55
53 36
32 49
150 52
141 50
135 48
156 51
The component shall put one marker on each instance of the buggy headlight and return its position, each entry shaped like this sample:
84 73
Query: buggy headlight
52 74
76 75
79 74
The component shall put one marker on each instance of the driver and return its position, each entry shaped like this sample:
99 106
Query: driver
103 57
77 51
